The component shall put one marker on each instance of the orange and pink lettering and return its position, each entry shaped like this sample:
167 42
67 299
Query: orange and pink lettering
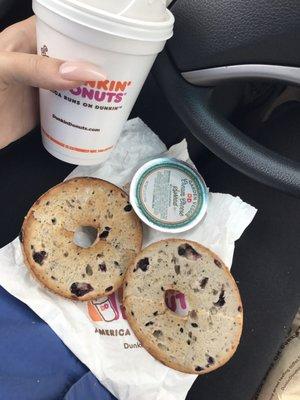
103 91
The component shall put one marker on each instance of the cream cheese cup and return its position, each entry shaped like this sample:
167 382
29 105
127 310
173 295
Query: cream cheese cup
169 195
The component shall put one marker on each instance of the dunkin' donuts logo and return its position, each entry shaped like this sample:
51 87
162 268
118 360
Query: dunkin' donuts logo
110 308
103 91
107 309
177 302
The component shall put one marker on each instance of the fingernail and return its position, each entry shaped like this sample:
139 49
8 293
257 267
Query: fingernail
80 71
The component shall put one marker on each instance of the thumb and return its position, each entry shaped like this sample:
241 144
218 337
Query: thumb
44 72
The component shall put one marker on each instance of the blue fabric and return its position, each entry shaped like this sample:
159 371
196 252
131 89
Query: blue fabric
88 387
35 364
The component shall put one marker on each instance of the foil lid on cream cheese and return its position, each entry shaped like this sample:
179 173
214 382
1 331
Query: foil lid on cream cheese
169 195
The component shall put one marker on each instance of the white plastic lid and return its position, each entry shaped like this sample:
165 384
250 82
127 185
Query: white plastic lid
122 24
145 10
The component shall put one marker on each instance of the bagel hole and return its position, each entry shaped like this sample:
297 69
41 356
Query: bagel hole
85 236
176 302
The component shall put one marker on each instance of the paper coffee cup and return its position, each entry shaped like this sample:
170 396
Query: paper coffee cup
82 126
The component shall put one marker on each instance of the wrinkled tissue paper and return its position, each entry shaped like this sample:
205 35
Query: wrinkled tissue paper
97 332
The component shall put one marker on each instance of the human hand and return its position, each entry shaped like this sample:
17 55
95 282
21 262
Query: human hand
22 72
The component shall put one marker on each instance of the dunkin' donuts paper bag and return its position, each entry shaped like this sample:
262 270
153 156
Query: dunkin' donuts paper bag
97 332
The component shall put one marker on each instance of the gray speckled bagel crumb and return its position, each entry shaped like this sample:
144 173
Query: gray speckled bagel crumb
62 266
208 336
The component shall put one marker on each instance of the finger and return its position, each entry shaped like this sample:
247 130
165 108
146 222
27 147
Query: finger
20 37
44 72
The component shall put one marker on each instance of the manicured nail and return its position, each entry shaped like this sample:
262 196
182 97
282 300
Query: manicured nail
80 71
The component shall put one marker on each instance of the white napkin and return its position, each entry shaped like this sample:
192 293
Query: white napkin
110 349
